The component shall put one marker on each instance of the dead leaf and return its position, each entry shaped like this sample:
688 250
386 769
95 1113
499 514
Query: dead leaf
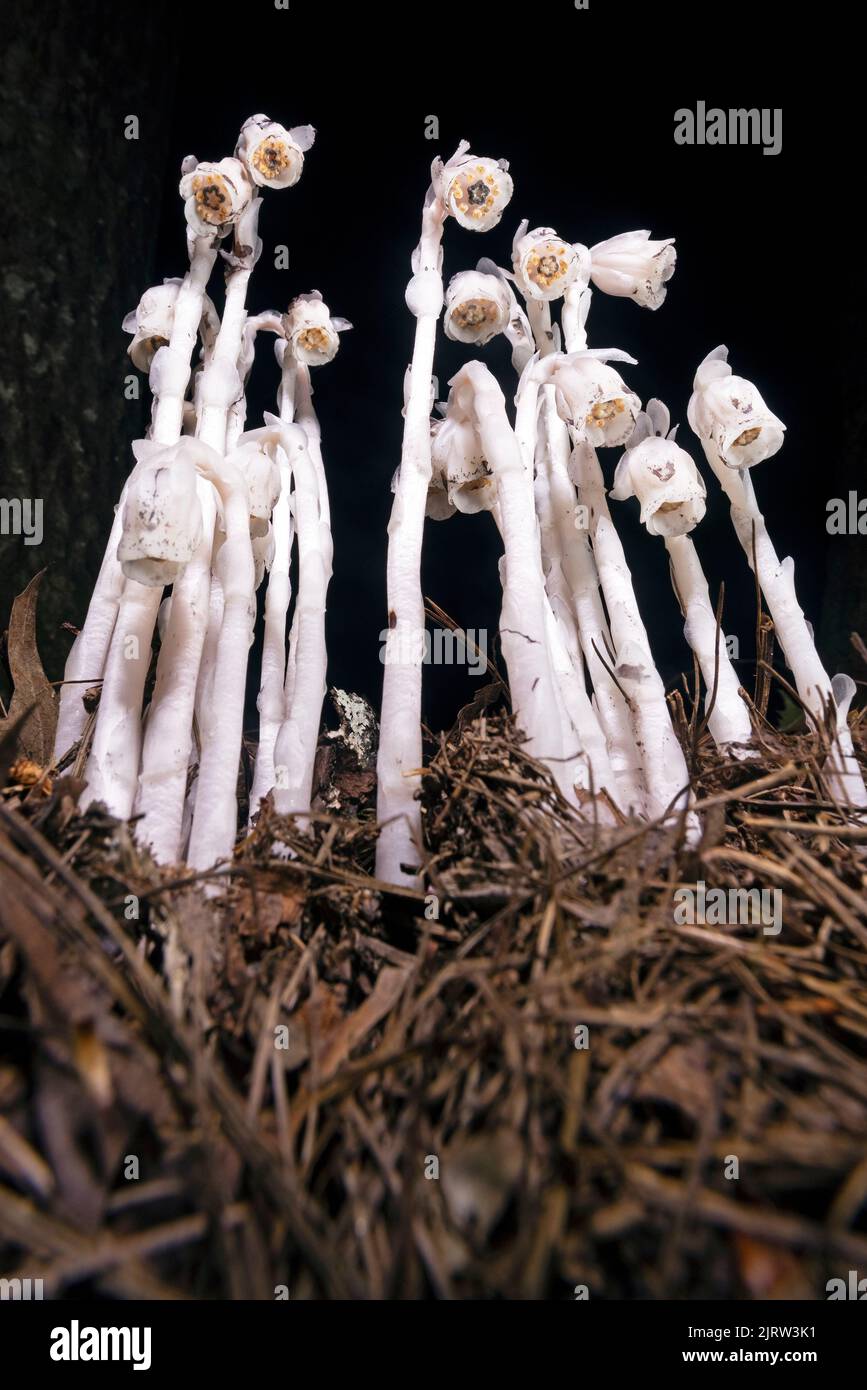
31 687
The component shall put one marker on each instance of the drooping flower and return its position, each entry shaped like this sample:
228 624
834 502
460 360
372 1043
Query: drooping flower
311 330
215 194
661 475
591 396
272 155
162 516
258 466
474 189
478 307
545 265
633 266
458 465
728 412
152 320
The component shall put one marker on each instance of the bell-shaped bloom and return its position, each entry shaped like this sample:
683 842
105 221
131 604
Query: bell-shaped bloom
256 461
162 517
545 265
661 475
272 155
263 546
458 464
152 320
215 195
591 396
478 307
633 266
311 330
475 190
728 413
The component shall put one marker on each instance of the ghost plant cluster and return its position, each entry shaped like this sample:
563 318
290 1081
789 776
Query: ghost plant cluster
585 689
208 508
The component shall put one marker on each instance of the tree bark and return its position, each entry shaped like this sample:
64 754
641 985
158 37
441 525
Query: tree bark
81 205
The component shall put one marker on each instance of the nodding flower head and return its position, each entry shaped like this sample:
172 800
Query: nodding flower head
728 413
255 459
591 396
474 189
272 155
634 266
311 330
215 195
661 475
478 307
162 517
151 322
460 477
545 265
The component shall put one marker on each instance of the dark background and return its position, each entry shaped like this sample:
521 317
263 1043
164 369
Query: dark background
581 104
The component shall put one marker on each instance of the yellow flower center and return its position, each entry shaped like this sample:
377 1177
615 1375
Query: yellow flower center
314 340
748 436
546 265
473 192
213 202
473 313
604 411
271 157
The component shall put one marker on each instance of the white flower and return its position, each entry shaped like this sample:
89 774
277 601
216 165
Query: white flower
591 396
661 475
151 322
258 466
162 517
263 547
475 190
729 413
634 266
272 155
545 265
311 330
458 465
477 307
215 195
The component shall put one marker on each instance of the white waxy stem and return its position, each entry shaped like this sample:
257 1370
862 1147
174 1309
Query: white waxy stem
400 743
271 703
169 735
666 777
87 659
729 720
215 816
112 770
297 739
524 632
777 581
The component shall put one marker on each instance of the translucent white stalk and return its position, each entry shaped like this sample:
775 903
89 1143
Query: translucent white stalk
524 632
112 768
297 739
169 735
665 772
215 817
271 704
87 658
777 581
729 720
400 743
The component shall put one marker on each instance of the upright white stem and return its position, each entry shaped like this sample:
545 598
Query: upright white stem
524 632
271 704
777 581
215 817
400 744
729 720
297 739
112 769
